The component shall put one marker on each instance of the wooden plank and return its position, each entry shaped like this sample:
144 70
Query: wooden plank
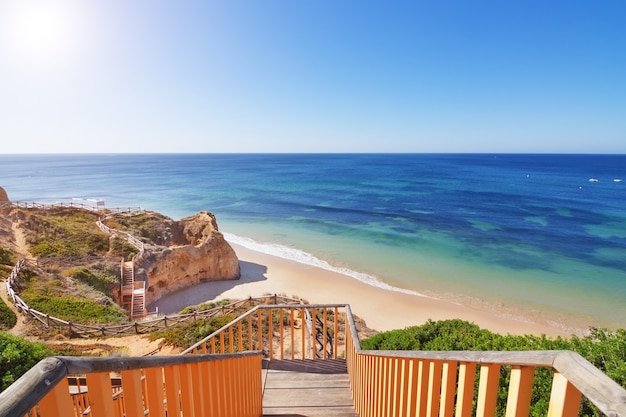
520 391
465 394
434 388
293 331
598 388
155 392
488 390
172 390
57 402
422 388
448 389
564 398
133 398
100 394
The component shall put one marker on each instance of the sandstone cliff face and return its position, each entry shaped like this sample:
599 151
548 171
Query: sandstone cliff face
199 254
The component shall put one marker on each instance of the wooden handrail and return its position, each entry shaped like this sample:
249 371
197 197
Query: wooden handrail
33 386
571 370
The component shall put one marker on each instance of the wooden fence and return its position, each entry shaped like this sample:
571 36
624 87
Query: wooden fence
136 327
35 205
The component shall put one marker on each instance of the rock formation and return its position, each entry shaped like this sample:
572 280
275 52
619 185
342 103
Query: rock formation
198 253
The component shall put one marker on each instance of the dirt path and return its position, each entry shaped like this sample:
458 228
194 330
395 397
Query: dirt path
136 345
21 327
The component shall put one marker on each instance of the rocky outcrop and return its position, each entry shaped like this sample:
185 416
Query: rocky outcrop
199 254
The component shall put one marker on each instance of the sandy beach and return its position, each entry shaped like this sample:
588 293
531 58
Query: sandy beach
381 309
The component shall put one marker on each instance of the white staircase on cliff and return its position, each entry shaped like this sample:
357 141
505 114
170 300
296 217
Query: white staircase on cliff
133 292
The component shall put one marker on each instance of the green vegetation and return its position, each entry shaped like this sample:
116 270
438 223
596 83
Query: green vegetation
605 349
7 262
123 248
103 282
187 335
152 226
7 316
17 356
65 232
72 308
205 306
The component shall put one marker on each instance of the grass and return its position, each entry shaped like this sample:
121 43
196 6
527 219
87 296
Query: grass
99 281
72 308
187 335
65 232
8 319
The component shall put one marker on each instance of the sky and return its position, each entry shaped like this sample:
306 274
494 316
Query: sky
121 76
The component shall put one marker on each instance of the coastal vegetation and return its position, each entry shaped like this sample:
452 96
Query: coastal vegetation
153 227
65 232
188 334
78 295
603 348
7 316
18 355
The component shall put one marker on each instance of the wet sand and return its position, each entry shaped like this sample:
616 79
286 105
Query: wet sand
382 309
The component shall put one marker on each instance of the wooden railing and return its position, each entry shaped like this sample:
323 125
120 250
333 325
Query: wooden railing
416 383
191 385
35 205
383 383
136 327
283 331
419 383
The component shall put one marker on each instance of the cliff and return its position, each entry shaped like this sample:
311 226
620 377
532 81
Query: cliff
197 252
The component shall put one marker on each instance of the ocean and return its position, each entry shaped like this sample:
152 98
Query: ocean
528 236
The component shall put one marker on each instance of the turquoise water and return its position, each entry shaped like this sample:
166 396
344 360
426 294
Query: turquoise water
526 235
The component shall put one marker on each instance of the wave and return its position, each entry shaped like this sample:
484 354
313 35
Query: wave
306 258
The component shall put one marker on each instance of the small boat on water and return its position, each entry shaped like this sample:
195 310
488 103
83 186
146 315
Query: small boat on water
594 180
617 180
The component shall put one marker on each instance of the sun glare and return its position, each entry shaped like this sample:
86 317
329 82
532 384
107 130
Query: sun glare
39 35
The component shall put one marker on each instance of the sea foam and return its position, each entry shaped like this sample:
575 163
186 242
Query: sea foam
306 258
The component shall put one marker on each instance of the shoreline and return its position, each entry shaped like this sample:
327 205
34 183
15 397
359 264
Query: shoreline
382 309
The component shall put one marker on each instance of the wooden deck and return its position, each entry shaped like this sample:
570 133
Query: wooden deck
306 389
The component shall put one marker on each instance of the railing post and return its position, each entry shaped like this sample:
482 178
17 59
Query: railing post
520 391
100 398
465 395
564 398
57 402
488 390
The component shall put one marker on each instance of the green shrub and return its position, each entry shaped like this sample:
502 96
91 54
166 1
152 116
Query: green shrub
7 316
71 308
189 334
17 356
102 282
123 249
66 233
6 257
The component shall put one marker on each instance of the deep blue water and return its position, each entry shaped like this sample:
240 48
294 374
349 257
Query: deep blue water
524 234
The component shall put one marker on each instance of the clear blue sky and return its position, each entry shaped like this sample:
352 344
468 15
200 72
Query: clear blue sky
312 76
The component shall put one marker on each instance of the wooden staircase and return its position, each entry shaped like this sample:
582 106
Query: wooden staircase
133 292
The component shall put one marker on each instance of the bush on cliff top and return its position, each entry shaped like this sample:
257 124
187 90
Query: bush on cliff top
65 232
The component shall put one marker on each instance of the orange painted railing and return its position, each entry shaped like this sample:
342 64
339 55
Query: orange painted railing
191 385
419 383
416 383
283 331
383 383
